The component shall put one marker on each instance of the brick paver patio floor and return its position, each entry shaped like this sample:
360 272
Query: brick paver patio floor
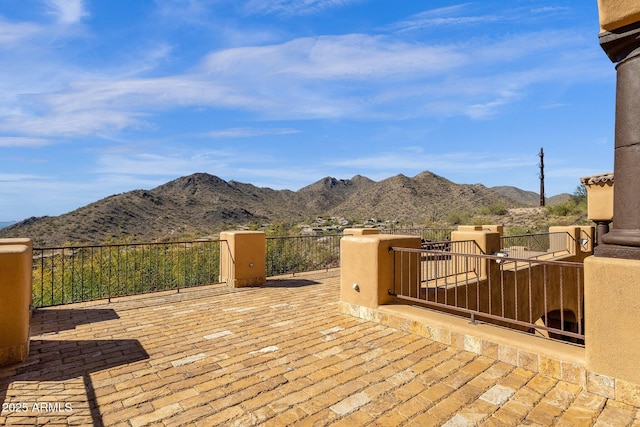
276 355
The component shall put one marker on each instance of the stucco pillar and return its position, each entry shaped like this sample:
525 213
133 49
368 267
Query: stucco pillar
495 228
243 258
368 268
599 201
29 244
611 306
15 298
612 291
487 238
620 39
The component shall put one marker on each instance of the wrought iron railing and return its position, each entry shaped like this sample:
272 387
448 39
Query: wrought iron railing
425 233
68 274
544 297
443 261
287 255
537 245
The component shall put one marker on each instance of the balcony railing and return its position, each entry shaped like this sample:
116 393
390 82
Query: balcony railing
443 261
544 297
547 245
68 274
290 255
426 234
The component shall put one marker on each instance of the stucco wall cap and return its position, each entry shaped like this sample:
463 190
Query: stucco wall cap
596 179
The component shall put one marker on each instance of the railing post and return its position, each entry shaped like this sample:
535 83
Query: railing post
244 264
15 298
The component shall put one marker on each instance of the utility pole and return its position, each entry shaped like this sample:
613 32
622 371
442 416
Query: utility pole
541 164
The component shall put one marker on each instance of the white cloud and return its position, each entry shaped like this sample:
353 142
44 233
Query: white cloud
442 17
294 7
12 32
446 10
67 11
149 164
72 123
18 177
188 10
260 168
351 56
551 9
336 76
250 132
416 162
422 21
19 141
489 108
92 106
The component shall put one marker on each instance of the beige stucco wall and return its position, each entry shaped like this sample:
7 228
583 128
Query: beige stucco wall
20 241
367 262
566 238
617 13
487 240
571 240
243 258
612 323
600 201
15 297
494 228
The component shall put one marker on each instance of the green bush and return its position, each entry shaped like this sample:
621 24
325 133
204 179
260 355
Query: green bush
458 218
74 274
576 205
517 231
495 209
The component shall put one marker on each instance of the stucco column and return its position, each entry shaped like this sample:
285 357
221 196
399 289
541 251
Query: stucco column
369 268
15 297
620 39
611 307
611 285
243 258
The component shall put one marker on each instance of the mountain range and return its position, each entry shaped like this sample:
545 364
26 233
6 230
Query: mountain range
202 204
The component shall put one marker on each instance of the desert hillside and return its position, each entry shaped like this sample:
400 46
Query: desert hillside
203 205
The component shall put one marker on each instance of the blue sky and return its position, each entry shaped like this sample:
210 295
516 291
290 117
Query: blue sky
102 97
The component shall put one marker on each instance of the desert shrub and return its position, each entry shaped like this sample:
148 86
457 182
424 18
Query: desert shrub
478 220
563 209
517 231
458 218
85 273
495 209
576 205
